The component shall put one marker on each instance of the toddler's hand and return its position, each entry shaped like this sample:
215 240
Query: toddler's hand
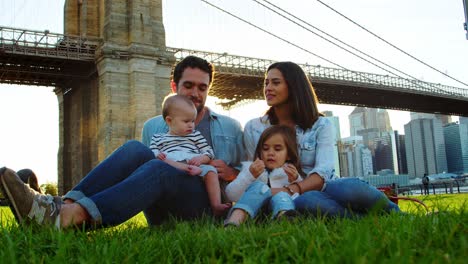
291 171
257 167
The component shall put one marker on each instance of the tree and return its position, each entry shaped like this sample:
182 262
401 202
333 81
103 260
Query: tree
50 188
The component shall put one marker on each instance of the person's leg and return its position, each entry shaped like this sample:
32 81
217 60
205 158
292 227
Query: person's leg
281 202
214 194
190 169
250 203
318 203
115 168
26 204
345 197
153 183
185 197
359 196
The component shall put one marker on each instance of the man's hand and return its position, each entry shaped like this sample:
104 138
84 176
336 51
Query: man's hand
291 171
161 156
257 167
225 172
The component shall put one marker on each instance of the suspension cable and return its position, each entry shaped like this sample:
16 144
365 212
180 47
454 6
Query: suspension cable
341 47
404 52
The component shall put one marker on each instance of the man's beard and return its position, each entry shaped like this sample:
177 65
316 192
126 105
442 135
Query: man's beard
200 105
200 108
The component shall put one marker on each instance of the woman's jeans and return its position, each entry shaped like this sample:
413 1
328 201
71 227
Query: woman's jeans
258 194
131 180
344 197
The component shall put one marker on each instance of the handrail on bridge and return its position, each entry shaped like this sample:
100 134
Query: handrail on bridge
234 64
31 42
45 43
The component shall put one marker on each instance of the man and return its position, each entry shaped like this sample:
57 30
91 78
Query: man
192 77
131 180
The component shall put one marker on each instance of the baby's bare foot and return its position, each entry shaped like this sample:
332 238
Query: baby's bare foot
194 170
220 209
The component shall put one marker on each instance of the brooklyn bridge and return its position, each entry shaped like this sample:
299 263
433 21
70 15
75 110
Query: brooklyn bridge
110 75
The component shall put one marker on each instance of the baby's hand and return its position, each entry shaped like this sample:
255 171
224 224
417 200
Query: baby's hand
291 171
161 156
196 161
257 167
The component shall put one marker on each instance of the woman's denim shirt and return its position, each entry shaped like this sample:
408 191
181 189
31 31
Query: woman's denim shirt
226 136
316 145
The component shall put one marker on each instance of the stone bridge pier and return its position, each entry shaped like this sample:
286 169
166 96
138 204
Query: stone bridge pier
125 87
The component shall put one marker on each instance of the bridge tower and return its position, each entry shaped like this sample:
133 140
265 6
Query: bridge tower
126 86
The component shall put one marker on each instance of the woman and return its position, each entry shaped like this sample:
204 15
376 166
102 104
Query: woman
293 102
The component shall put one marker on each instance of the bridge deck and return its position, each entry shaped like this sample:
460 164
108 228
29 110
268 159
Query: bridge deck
44 58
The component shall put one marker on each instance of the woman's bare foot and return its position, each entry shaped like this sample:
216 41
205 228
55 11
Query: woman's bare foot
194 170
220 209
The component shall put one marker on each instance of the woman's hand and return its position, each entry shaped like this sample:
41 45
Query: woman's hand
291 171
257 167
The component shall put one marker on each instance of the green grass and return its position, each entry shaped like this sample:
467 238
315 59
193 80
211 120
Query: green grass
395 238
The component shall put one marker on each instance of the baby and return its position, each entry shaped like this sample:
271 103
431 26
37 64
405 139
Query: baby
186 149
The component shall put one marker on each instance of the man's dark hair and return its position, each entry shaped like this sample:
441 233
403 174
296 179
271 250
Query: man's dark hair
192 62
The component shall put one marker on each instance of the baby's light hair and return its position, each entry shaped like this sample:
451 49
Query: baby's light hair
172 101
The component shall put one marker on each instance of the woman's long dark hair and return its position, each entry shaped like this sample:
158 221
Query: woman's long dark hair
289 136
301 95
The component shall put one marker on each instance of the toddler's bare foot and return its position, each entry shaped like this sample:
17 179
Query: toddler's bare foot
194 170
220 209
237 217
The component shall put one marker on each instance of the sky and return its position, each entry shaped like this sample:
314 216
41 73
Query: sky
429 30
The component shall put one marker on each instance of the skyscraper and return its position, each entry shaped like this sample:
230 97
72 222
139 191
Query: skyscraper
336 123
445 119
463 121
357 158
456 147
372 124
425 147
357 120
368 118
383 121
416 115
386 152
401 153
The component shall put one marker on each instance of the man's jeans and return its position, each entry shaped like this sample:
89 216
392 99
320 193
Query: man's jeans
131 180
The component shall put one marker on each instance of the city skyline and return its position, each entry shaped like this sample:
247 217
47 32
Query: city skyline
431 144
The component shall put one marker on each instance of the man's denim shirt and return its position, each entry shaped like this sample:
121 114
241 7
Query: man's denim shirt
316 145
226 136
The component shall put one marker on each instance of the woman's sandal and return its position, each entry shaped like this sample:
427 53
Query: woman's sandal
288 215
